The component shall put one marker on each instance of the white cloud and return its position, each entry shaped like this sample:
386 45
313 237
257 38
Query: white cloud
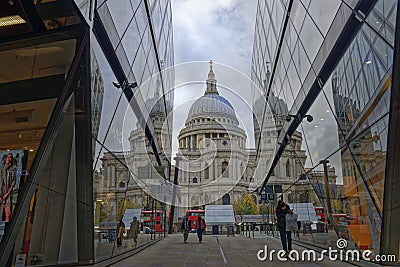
220 30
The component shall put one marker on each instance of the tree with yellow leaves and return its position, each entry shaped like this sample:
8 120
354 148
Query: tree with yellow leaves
245 205
122 206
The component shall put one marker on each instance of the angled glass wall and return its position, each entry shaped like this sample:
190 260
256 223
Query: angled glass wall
345 84
132 44
87 113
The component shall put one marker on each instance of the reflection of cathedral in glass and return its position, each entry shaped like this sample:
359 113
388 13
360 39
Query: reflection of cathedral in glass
268 122
368 151
120 184
97 98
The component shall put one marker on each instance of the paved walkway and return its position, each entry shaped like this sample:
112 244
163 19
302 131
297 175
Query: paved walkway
214 251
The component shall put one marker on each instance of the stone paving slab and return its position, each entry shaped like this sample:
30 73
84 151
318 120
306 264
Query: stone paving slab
238 251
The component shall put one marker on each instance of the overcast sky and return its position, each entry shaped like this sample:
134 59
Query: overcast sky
218 30
221 30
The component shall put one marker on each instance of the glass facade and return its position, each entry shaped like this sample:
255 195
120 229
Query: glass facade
134 131
87 111
345 83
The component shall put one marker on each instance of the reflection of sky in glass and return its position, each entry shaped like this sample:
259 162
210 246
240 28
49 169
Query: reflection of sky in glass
324 15
321 137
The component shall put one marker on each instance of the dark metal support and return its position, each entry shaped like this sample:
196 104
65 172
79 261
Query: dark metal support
175 184
390 233
84 175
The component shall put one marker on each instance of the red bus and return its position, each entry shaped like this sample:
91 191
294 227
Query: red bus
320 211
152 219
193 216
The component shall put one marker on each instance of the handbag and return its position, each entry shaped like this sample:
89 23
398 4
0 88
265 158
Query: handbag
291 221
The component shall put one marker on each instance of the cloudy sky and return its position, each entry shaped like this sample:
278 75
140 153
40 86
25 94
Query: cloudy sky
221 30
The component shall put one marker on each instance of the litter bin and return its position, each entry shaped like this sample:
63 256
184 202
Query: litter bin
230 231
215 229
307 228
237 229
320 227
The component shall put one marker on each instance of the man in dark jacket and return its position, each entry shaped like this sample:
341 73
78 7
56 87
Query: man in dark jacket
286 236
200 228
186 227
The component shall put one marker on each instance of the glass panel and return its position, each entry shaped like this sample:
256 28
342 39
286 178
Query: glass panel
320 140
323 12
311 37
362 225
298 15
141 18
369 150
131 41
116 190
121 16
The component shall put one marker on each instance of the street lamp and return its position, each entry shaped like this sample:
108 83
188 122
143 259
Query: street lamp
125 85
298 117
194 181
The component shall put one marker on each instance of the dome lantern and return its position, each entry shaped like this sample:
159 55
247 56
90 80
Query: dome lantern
211 104
211 81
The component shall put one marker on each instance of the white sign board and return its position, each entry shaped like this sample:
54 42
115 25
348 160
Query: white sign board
20 260
128 216
305 211
251 218
219 215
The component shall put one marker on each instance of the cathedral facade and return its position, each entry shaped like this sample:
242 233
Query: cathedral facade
215 166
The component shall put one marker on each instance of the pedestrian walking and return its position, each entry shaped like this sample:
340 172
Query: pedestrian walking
286 236
201 227
185 227
120 232
133 231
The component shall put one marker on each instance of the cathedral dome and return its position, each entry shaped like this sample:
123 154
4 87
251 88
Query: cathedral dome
278 105
155 106
211 104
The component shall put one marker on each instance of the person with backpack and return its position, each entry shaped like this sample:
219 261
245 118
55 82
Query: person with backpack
286 236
